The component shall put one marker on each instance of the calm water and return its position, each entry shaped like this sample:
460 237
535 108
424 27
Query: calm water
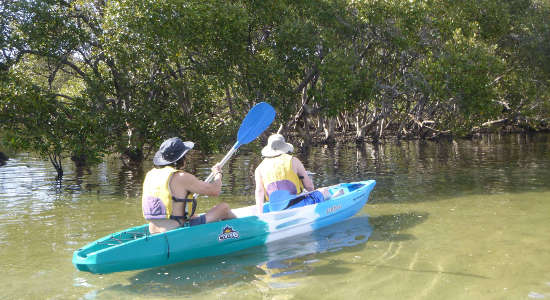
449 220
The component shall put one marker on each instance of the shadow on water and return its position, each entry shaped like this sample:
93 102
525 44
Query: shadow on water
274 260
388 227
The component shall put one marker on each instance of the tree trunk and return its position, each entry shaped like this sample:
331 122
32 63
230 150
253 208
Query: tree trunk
55 159
328 129
359 129
305 132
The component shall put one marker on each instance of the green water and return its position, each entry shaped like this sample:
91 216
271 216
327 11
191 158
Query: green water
449 220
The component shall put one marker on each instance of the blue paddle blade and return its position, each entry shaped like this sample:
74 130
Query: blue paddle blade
256 121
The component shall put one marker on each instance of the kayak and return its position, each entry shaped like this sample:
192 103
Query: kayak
135 248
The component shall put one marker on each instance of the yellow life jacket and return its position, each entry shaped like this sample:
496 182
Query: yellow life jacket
277 174
156 201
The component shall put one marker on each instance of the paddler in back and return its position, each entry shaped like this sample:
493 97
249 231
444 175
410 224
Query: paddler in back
282 176
167 190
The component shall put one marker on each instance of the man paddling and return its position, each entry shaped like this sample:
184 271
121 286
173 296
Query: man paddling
167 189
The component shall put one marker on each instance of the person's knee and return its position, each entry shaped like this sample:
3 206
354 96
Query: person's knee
218 212
223 207
325 192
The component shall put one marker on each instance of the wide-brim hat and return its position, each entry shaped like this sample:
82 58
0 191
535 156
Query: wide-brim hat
171 151
276 145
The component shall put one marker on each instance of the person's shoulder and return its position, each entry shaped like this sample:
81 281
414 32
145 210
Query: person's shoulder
263 162
258 169
183 176
297 165
184 180
296 159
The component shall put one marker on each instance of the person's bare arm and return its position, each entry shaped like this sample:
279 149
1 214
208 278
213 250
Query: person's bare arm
182 183
301 172
259 193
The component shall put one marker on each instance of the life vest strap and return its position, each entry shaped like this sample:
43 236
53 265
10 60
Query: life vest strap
186 216
180 219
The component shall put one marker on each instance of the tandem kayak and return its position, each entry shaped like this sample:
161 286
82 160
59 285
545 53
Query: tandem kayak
135 248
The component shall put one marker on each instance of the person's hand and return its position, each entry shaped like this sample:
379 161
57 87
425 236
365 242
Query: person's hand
216 168
217 171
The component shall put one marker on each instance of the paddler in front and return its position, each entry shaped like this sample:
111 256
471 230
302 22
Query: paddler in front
167 190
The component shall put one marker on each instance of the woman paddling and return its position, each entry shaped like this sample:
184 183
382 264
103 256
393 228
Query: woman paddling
281 177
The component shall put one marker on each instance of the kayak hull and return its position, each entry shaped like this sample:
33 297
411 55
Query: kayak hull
135 248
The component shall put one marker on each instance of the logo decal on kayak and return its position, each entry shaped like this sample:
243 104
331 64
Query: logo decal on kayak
228 233
333 208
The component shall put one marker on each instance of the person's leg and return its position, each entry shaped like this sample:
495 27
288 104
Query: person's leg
219 212
325 192
327 195
197 220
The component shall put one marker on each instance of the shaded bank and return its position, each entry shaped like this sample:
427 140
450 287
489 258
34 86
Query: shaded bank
3 158
390 136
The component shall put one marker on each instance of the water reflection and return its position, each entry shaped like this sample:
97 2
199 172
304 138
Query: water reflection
130 180
416 171
267 263
419 185
410 171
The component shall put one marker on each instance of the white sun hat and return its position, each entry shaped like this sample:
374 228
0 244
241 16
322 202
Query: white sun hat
276 145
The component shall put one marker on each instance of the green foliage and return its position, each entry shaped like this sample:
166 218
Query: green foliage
461 79
86 78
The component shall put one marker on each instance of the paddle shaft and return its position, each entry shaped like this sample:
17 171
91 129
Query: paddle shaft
223 161
255 122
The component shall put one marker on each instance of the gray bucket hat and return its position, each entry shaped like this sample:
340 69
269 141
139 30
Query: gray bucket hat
171 151
276 145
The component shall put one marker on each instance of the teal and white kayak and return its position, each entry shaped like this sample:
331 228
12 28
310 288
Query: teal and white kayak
135 248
